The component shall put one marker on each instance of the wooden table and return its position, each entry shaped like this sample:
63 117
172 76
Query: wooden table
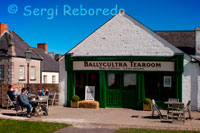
38 108
173 106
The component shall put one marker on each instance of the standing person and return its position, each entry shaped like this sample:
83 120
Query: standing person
11 93
24 102
40 92
46 92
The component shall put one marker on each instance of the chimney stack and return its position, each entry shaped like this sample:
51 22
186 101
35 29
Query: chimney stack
3 28
42 46
197 41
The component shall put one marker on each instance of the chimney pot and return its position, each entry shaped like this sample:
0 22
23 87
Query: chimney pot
42 46
3 28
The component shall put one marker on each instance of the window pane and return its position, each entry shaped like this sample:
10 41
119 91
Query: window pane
32 72
130 81
45 78
21 72
1 72
53 79
113 81
80 83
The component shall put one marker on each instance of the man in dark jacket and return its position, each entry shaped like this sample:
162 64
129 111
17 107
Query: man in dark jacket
24 101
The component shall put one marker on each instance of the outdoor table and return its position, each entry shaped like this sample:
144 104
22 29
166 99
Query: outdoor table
39 103
170 104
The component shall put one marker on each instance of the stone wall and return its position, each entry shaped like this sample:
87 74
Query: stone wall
33 90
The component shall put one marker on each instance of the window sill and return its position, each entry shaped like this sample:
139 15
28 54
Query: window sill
21 79
32 79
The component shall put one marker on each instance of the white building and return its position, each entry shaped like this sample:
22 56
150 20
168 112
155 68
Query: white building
128 62
49 66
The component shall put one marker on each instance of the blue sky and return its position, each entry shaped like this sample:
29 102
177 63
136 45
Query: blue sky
34 21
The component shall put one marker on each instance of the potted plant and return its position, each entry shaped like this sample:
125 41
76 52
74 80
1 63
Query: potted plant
75 101
147 104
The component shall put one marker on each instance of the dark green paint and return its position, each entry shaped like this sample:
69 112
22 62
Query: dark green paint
106 96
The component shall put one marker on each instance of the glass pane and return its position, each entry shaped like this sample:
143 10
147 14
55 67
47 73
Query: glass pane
80 83
21 70
32 72
113 81
130 81
1 72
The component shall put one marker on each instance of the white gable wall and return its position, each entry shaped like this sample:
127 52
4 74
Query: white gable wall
124 36
191 83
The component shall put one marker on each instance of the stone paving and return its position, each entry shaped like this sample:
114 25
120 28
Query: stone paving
109 118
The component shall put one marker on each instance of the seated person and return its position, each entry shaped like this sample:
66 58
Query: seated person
24 101
11 93
46 92
40 92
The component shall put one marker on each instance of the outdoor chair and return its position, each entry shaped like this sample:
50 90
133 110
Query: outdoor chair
52 97
155 108
10 102
19 108
188 109
169 105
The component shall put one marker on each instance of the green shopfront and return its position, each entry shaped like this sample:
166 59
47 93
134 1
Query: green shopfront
125 81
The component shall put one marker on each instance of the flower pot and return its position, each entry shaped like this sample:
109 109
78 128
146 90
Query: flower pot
74 104
147 107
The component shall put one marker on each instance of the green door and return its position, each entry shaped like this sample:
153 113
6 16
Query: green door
114 95
129 90
121 90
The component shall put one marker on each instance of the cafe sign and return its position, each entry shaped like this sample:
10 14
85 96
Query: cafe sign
124 65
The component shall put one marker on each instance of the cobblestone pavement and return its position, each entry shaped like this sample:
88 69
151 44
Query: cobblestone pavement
109 118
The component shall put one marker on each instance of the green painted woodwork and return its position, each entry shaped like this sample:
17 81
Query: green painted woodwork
68 62
179 86
124 58
102 90
114 98
70 87
179 63
123 98
129 98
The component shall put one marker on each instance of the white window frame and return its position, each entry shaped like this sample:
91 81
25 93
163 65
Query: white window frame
33 72
21 72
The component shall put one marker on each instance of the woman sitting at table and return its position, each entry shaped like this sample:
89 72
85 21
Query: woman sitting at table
46 92
12 93
40 92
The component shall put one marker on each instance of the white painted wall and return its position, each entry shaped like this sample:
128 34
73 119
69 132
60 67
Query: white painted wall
62 82
191 83
49 77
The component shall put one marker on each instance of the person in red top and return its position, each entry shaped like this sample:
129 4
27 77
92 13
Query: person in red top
11 93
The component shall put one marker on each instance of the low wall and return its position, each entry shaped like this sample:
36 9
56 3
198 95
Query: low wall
33 90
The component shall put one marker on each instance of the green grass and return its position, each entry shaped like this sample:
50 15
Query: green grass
151 131
15 126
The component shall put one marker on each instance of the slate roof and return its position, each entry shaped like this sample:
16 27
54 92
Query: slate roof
20 45
124 36
48 63
184 40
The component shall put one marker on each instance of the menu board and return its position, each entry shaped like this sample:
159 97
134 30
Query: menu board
89 93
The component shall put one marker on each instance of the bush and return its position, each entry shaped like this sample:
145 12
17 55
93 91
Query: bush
147 101
75 98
